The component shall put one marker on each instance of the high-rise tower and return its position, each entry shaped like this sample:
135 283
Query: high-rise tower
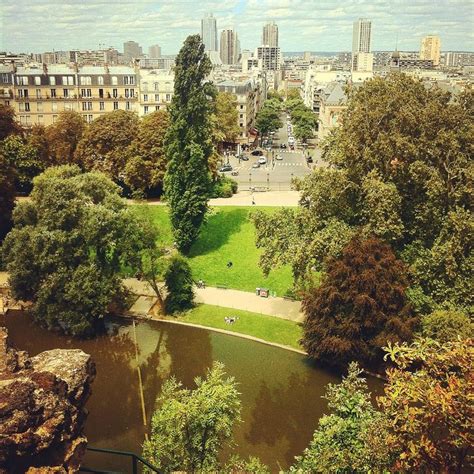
431 49
209 33
229 47
270 35
361 45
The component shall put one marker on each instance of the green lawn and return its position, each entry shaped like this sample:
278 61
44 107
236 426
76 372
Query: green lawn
228 235
264 327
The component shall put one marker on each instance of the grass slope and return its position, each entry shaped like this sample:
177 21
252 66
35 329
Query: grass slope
228 235
264 327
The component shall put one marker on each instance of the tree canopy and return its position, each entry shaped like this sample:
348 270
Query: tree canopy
225 118
268 117
359 307
8 125
67 246
7 195
189 143
400 168
190 427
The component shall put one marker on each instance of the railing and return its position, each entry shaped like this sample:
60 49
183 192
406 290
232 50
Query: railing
134 458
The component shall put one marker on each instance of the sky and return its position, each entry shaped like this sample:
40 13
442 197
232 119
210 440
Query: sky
304 25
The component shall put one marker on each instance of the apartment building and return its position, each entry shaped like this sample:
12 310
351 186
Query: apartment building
248 97
155 90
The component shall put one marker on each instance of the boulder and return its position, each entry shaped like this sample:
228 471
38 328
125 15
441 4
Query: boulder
42 412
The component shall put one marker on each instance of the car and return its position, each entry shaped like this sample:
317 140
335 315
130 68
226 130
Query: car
283 146
244 157
278 157
235 173
257 153
262 160
291 140
256 165
309 159
225 168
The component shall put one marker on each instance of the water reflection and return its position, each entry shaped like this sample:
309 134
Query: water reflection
280 392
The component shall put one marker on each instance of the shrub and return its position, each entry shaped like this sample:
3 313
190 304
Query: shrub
179 282
445 326
224 187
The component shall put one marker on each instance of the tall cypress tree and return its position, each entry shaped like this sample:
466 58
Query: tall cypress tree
189 145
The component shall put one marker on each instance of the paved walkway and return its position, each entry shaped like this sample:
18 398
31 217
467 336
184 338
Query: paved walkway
278 307
244 198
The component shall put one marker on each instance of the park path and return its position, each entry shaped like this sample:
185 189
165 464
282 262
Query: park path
235 299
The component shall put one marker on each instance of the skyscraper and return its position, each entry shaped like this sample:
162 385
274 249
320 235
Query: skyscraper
361 44
154 51
270 35
431 49
209 33
229 47
131 50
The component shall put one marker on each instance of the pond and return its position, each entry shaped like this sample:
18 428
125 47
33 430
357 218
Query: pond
280 390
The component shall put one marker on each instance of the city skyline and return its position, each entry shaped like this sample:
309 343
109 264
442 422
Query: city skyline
301 26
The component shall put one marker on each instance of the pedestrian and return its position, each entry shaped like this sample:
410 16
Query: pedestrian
253 201
229 264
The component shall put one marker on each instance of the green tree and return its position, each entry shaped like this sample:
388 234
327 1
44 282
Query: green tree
225 127
352 438
7 195
444 326
359 307
268 117
64 136
293 94
190 427
104 144
8 125
24 158
179 283
67 247
428 405
189 144
146 166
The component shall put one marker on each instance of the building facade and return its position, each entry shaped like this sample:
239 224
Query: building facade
154 51
431 49
229 47
270 58
209 33
131 50
270 35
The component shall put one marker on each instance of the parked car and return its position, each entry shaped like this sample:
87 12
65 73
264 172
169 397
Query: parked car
225 168
257 153
309 159
256 165
235 173
278 157
262 160
283 146
244 157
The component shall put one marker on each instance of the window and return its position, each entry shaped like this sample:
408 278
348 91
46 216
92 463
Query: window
68 106
52 80
145 109
145 97
87 106
127 106
132 93
27 106
116 105
89 118
168 97
25 120
241 115
21 106
20 93
101 93
70 81
25 93
115 93
114 80
100 80
53 93
241 124
40 119
157 107
39 106
66 93
128 80
55 117
156 86
101 105
38 93
65 79
241 107
54 107
37 80
127 93
22 80
86 80
157 97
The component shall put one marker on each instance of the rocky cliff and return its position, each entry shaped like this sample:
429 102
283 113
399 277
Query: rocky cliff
42 411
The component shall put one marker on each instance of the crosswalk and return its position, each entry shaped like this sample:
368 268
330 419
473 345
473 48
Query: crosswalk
288 164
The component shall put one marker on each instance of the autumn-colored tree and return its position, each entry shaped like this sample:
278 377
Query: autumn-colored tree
104 144
225 118
359 307
8 125
428 403
64 136
37 138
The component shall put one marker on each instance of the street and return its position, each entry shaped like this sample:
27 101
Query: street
275 174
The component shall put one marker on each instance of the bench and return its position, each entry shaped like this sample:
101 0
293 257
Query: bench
221 286
259 189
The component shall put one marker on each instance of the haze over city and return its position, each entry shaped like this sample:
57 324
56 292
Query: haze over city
35 26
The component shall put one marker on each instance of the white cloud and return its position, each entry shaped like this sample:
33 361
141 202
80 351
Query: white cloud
318 25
